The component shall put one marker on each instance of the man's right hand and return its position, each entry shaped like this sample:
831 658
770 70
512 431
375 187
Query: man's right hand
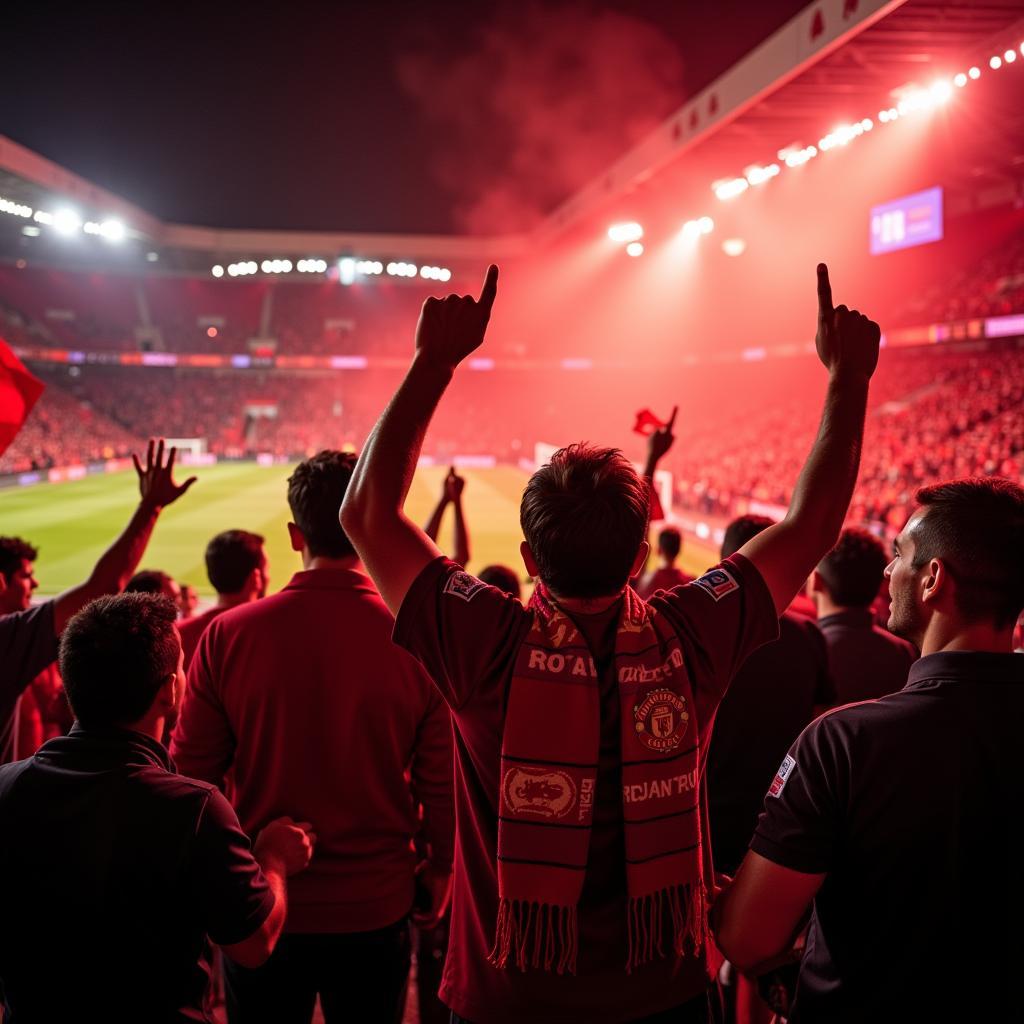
847 341
285 845
453 327
156 480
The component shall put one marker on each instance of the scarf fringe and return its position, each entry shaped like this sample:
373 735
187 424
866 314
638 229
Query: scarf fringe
531 934
645 920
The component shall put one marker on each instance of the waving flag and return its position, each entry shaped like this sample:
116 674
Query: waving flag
646 423
19 391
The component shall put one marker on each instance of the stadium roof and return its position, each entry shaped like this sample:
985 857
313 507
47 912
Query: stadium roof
835 59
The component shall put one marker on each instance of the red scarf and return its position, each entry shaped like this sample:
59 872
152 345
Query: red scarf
549 760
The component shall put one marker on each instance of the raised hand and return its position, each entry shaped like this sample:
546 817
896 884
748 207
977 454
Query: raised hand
847 341
285 845
662 439
156 480
451 328
454 485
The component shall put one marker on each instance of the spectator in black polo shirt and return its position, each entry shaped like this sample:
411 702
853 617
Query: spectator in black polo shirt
897 817
866 661
116 872
776 692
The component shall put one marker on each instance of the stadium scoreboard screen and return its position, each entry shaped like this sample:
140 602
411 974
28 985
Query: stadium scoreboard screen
906 222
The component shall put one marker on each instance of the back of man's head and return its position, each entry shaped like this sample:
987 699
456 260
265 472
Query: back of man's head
115 655
502 577
584 516
742 529
149 581
852 570
670 543
315 492
976 528
13 552
231 557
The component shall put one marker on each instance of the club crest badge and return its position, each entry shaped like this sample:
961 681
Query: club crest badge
717 582
539 792
782 776
461 584
661 720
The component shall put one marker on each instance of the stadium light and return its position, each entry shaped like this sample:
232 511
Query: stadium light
960 80
974 73
66 221
14 209
730 188
1010 56
734 247
217 271
995 63
346 270
628 231
112 230
756 175
635 249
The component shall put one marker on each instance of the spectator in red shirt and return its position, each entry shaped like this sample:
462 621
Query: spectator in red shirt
236 566
303 696
188 602
582 861
668 574
865 660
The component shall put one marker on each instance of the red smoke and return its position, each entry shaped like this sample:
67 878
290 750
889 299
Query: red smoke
545 99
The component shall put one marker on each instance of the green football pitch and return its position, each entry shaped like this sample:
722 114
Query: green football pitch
71 523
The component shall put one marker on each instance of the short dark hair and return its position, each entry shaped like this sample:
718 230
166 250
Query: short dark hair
742 529
14 551
853 570
584 516
670 541
230 557
147 581
315 492
502 577
115 654
976 527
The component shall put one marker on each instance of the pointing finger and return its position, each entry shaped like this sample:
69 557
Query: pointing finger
489 290
824 291
672 419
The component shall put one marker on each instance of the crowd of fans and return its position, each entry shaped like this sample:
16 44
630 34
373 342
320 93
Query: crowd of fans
607 805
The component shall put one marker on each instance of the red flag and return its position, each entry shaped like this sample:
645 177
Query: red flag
646 423
19 391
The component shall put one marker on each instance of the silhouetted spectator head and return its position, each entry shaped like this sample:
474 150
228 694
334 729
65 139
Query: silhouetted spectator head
153 581
740 530
16 567
188 602
670 543
852 573
584 516
118 655
961 555
502 577
237 564
315 492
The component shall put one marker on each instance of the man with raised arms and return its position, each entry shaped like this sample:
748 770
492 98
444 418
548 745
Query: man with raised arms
572 900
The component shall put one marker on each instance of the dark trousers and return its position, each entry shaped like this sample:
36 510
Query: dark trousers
359 976
696 1011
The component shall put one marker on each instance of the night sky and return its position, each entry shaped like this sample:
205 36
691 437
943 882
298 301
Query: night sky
323 116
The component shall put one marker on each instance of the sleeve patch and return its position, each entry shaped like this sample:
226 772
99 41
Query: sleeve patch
781 776
462 584
718 583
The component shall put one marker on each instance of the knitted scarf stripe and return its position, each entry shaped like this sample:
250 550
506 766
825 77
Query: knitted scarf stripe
549 764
